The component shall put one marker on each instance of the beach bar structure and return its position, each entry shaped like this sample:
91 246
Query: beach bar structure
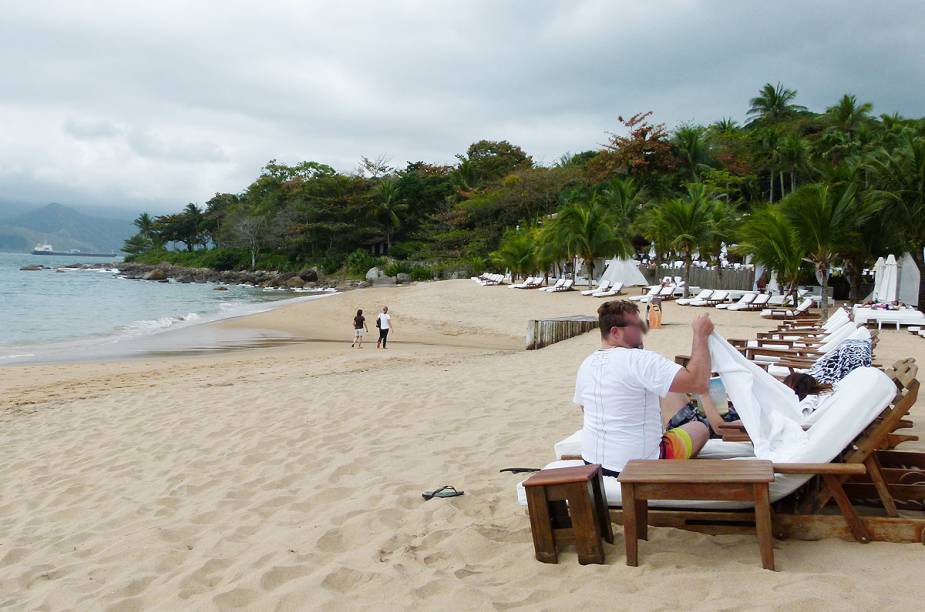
543 332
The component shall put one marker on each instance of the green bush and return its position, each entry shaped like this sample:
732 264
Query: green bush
224 259
360 261
412 249
396 268
421 273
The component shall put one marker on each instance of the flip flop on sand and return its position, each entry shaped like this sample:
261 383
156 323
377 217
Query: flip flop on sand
444 491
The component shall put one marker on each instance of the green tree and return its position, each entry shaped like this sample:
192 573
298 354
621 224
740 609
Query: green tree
769 237
689 224
899 176
389 204
773 104
692 147
585 229
826 220
516 252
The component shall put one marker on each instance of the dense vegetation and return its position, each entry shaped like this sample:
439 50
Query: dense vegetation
795 189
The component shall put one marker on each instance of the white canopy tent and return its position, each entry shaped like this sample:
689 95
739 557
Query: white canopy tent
624 271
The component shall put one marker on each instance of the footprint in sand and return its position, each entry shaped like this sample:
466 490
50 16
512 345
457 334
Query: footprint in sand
344 580
279 575
235 598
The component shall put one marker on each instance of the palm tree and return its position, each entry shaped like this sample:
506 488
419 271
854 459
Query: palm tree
770 239
516 252
693 148
689 221
622 198
388 204
773 104
826 219
848 115
792 156
586 231
147 231
769 147
900 178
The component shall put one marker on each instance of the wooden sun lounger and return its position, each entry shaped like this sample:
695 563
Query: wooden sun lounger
867 474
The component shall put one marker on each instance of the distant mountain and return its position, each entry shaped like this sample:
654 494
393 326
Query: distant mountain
64 228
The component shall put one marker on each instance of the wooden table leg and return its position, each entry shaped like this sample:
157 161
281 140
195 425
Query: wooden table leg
584 524
603 513
642 519
628 493
763 525
544 543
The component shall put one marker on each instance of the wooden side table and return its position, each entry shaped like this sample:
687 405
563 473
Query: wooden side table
697 479
568 505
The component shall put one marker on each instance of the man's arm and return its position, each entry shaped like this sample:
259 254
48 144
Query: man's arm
695 377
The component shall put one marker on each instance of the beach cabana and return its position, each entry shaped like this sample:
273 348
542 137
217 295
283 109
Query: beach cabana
625 271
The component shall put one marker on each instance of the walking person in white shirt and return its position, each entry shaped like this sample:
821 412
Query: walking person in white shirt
384 323
619 387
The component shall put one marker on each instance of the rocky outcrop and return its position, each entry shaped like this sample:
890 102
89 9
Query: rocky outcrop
309 275
155 275
256 278
32 268
403 277
373 273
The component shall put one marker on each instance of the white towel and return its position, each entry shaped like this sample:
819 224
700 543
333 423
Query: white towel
769 410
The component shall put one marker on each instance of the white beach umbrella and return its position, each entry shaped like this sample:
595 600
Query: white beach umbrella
878 278
888 289
773 285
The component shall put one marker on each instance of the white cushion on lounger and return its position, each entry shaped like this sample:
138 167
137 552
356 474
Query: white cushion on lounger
838 318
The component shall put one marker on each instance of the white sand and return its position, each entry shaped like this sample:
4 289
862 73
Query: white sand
290 478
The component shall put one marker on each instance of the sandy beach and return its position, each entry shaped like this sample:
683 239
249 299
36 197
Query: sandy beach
289 477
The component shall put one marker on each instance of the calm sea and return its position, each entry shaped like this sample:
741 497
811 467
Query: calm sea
87 308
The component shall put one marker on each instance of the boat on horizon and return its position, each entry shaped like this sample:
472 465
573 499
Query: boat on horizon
43 248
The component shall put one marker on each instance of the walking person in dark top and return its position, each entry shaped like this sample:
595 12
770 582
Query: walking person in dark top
384 323
359 329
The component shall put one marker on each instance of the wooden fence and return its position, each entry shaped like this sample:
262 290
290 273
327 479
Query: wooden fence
704 278
543 332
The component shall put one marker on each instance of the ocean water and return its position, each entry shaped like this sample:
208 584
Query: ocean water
80 310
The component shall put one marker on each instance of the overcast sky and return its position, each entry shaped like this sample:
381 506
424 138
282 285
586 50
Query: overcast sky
150 105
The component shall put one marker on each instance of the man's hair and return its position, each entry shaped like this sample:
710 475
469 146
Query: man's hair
614 314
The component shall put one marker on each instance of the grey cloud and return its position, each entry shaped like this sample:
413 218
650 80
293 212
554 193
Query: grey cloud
91 130
186 99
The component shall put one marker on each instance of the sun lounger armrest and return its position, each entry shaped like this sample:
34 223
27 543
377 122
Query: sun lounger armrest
733 435
571 458
835 469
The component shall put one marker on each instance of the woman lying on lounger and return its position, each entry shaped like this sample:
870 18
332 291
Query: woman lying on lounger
808 390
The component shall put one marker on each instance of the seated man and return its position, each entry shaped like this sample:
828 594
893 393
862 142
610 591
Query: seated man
619 386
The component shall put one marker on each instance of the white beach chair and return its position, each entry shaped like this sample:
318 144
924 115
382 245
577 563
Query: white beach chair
614 290
554 287
859 399
566 286
604 285
718 297
770 313
528 282
745 300
653 291
703 295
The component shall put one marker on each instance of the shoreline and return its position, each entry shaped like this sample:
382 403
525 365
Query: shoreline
183 336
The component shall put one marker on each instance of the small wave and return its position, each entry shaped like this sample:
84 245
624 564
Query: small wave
153 325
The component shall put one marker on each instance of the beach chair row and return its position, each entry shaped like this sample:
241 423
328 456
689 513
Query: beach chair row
487 279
